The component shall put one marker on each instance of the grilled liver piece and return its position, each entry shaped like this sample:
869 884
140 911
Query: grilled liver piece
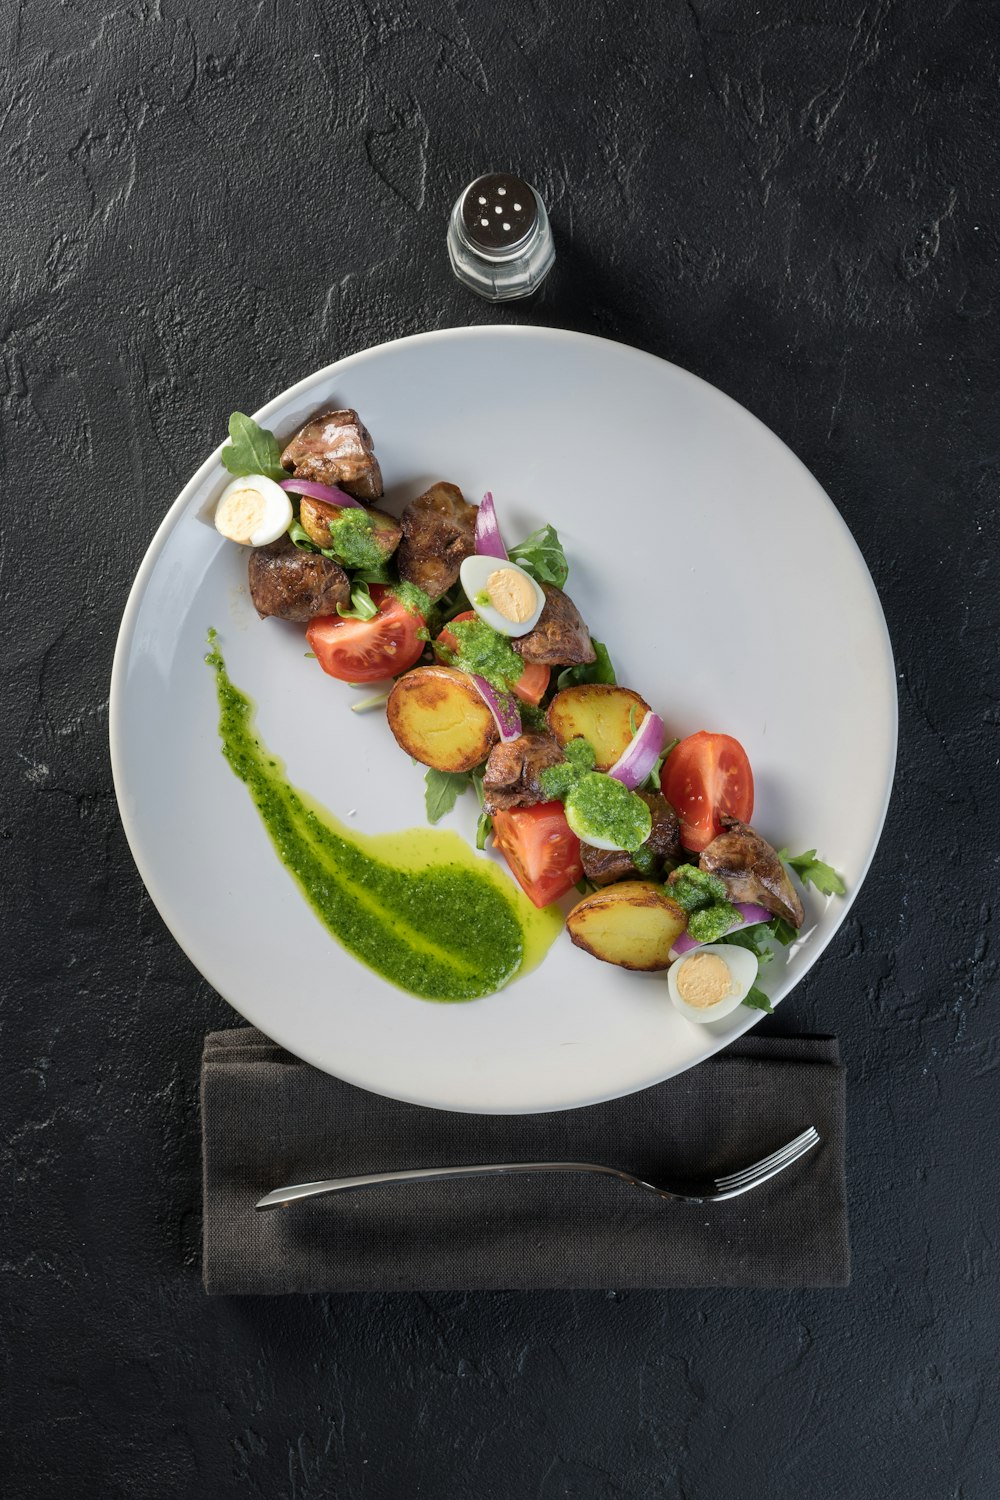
560 639
751 871
335 447
295 585
439 533
513 769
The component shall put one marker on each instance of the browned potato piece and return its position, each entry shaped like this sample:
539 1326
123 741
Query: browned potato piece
632 924
600 713
438 717
316 516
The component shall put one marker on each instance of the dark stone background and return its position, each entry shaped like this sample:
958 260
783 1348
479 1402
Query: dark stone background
201 205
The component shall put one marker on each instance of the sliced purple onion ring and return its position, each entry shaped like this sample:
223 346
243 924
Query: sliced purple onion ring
752 916
641 754
317 491
503 707
489 542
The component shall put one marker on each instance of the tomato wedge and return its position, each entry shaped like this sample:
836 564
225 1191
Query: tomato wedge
705 777
541 849
368 650
529 687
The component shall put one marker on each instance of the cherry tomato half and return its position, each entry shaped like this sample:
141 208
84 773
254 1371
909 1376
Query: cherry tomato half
541 849
704 777
368 650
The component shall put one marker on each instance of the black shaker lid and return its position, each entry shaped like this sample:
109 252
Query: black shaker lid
498 212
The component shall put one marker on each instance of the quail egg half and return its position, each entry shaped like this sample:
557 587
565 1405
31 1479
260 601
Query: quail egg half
502 594
710 982
253 511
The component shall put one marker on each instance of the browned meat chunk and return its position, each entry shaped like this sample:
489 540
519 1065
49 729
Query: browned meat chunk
513 769
295 585
316 516
439 530
751 871
336 448
603 866
560 639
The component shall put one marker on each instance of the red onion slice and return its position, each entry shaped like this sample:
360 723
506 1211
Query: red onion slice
640 756
489 542
503 707
316 491
752 916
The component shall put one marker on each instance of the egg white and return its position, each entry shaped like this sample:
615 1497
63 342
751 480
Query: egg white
258 523
475 573
742 966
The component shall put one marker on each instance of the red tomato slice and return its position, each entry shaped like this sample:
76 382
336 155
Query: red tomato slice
704 777
542 850
529 687
368 650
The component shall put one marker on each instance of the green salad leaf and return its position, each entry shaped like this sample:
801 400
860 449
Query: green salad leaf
442 792
252 449
541 554
813 871
757 1000
363 606
600 670
300 536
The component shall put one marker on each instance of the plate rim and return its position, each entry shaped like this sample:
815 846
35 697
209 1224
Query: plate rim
178 508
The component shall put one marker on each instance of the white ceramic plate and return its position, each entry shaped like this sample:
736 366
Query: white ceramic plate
700 549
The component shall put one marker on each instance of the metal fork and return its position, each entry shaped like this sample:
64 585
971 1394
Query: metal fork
715 1190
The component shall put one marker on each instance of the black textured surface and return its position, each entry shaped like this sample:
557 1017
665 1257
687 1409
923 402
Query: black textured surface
201 206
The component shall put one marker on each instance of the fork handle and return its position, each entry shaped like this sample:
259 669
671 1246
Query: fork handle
297 1192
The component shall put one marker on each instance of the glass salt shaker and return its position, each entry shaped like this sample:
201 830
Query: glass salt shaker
499 239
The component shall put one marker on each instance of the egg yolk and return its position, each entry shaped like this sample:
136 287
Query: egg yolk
704 980
239 514
511 595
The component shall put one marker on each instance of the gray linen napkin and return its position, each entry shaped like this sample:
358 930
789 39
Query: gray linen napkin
269 1119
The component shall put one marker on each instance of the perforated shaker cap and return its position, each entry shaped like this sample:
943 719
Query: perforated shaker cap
499 213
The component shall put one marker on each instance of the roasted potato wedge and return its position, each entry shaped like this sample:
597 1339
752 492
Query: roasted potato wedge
632 924
438 717
600 713
316 516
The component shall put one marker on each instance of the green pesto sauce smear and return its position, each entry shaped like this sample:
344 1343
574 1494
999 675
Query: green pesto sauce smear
418 907
486 653
599 806
412 598
354 539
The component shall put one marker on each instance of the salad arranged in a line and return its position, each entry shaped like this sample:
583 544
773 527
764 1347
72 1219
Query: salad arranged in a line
499 685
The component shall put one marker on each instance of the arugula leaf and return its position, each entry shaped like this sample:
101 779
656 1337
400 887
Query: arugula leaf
363 606
443 788
541 555
757 1000
754 939
252 449
484 826
783 931
813 871
600 670
300 536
